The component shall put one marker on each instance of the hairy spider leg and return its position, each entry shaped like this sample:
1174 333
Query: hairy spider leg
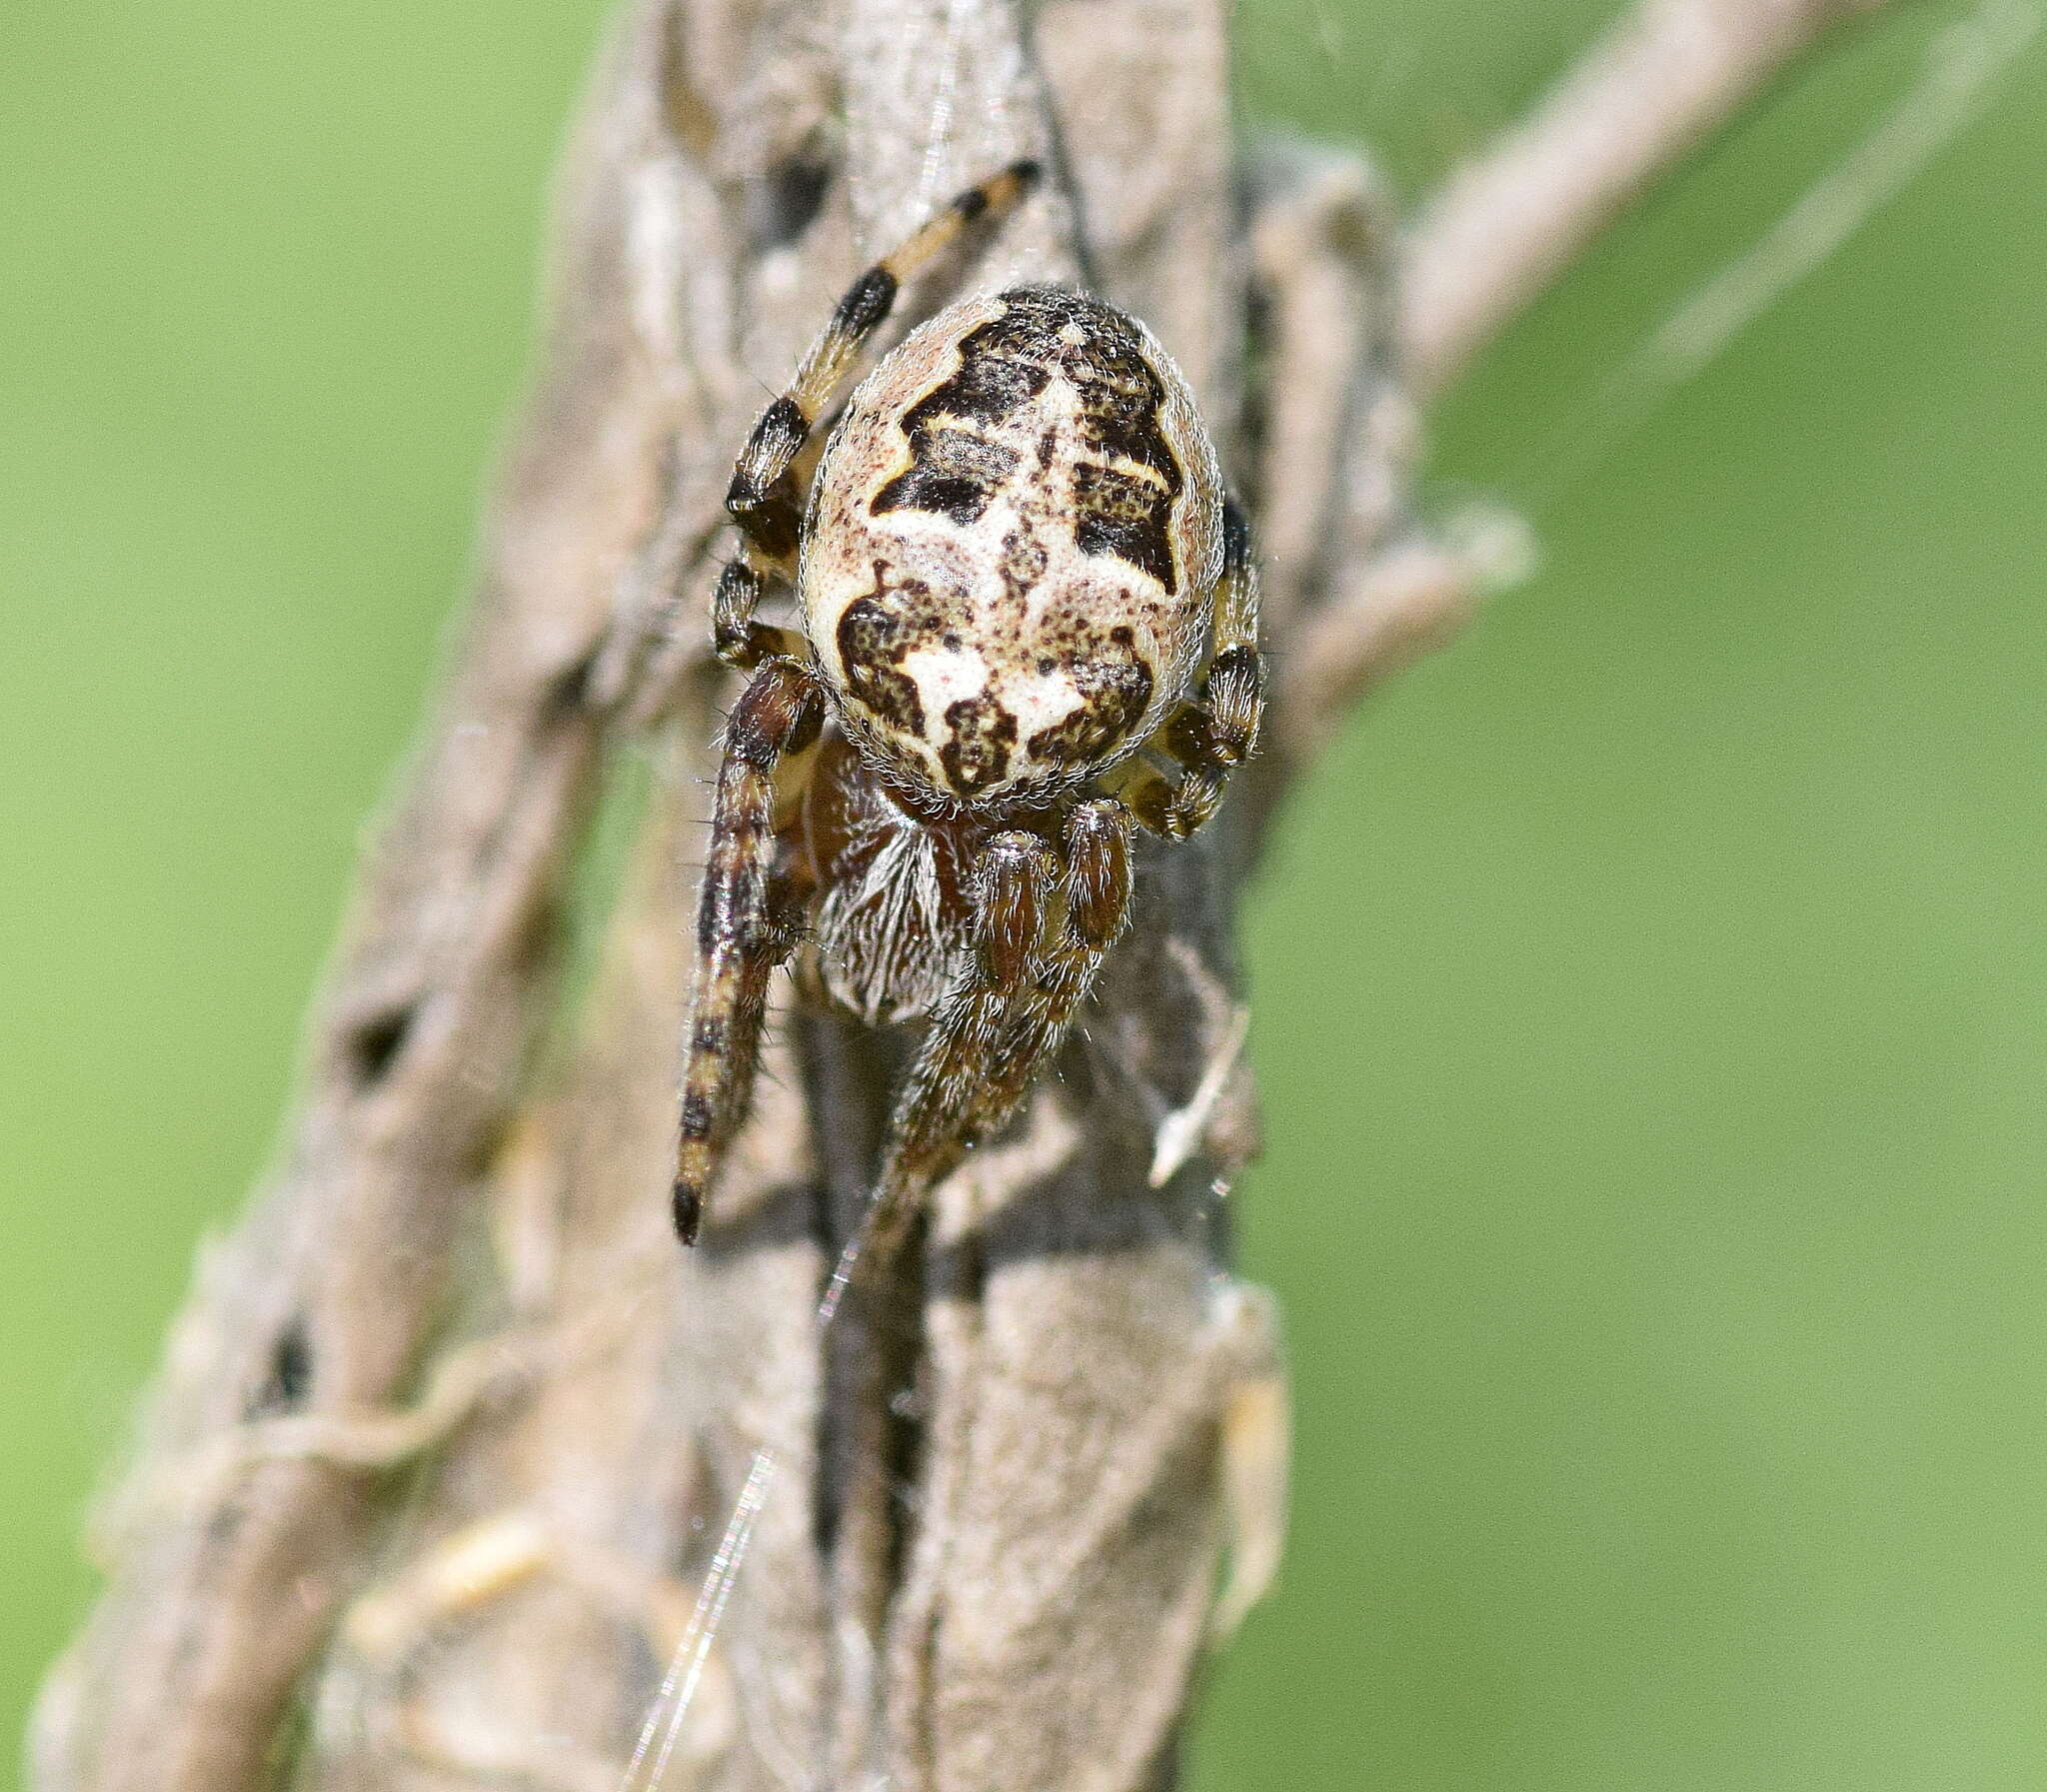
1043 923
747 919
1211 736
766 494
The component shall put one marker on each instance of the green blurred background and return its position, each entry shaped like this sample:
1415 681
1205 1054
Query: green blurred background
1652 991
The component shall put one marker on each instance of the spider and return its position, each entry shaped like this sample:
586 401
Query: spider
1022 589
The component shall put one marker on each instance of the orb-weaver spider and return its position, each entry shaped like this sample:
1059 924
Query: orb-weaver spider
1022 589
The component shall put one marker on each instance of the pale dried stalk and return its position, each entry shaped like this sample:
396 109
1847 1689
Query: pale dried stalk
1032 1622
1503 226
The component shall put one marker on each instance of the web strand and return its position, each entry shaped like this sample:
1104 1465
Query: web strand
670 1705
686 1671
1964 65
937 134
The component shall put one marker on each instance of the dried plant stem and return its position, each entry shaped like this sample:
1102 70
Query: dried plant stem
448 1430
1504 225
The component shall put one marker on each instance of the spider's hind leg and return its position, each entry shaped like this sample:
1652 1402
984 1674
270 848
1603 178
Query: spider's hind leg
1214 733
748 917
1043 922
767 495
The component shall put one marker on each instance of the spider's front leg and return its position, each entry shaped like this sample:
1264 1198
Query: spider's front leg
1213 734
1043 922
747 919
766 497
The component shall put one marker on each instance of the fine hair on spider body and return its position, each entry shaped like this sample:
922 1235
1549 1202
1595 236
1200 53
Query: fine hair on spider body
1029 625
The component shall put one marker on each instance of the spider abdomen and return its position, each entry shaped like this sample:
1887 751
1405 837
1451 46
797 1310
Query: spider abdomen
1014 537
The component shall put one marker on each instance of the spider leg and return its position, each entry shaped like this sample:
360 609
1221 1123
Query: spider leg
1043 922
1213 735
736 637
748 917
767 497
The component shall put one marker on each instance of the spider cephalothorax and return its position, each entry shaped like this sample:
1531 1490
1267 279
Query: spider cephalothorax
1020 585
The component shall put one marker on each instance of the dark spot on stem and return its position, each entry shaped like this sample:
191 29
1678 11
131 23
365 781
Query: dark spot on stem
291 1372
374 1044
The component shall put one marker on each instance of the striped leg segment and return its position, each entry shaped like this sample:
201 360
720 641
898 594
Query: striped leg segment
1097 887
747 919
1013 1005
1017 872
736 637
1214 733
766 497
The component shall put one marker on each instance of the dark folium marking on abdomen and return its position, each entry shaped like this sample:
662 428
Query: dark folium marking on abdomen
1122 513
977 751
953 468
1115 687
1022 564
1007 361
955 474
1126 516
871 647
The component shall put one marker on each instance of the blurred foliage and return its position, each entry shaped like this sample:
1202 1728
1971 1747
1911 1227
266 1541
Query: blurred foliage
1650 991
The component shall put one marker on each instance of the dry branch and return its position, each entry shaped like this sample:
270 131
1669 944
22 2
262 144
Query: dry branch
990 1559
1508 223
